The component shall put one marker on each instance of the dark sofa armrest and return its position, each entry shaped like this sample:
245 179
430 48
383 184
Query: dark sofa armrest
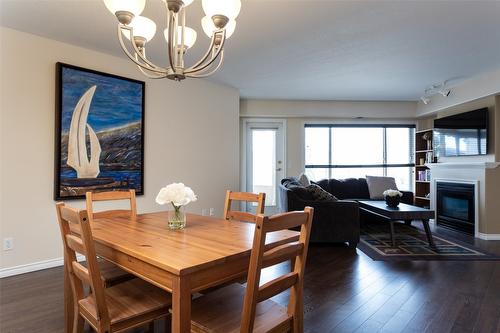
341 211
340 204
336 221
407 197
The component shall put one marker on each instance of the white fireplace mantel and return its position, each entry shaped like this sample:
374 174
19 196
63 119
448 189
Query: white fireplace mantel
464 165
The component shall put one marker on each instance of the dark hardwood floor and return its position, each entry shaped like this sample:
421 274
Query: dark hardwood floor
345 291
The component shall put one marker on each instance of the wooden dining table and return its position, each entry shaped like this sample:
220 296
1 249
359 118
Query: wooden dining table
207 252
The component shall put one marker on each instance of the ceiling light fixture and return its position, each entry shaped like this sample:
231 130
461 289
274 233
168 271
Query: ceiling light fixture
425 100
218 24
435 89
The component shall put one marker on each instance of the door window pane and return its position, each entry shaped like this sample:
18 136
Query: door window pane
316 145
264 163
357 146
399 145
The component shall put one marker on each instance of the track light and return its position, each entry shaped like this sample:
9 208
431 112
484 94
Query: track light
425 100
445 93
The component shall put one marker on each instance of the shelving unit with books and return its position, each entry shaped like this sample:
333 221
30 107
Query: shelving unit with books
423 155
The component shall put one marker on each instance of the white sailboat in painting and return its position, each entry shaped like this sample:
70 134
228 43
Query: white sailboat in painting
77 141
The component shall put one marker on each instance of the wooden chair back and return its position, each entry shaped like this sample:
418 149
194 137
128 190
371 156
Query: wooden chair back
247 197
262 257
111 196
82 242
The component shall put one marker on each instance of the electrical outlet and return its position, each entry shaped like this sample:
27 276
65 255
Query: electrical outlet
212 211
8 244
204 212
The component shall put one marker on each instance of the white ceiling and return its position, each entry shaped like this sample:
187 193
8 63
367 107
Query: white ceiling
307 49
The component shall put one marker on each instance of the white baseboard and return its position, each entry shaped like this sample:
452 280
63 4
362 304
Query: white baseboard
480 235
36 266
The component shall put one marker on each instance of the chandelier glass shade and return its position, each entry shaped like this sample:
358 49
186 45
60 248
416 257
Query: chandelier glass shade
218 24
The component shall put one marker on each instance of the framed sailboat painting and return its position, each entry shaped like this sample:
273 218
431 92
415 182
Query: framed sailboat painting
99 139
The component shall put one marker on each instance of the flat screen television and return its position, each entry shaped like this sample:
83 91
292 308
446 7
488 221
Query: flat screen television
463 134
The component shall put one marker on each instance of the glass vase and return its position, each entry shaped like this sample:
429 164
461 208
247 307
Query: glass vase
177 218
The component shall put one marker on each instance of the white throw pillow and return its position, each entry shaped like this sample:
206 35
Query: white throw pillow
377 186
304 180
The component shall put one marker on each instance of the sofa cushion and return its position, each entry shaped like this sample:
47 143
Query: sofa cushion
346 188
319 194
296 187
304 180
377 186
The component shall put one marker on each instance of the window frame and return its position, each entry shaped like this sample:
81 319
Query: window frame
384 165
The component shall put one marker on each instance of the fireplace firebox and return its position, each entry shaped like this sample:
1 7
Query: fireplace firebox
455 206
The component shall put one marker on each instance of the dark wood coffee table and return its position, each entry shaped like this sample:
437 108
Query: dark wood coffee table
403 212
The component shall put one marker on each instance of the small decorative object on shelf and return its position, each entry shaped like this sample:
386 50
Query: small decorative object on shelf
392 197
178 195
428 137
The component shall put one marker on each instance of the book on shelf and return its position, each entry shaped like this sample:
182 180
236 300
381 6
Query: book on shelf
424 175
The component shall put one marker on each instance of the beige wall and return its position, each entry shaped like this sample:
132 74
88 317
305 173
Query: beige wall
190 136
496 126
327 109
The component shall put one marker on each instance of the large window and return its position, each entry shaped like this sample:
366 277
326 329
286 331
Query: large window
347 151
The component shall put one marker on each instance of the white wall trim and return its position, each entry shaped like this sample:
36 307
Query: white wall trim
480 235
35 266
463 165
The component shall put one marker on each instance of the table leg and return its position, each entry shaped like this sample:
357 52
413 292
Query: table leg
428 233
181 305
68 302
393 240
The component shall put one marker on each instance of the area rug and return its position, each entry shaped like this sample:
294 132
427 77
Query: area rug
411 244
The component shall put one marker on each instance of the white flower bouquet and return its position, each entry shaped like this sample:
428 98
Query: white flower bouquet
392 197
178 195
392 193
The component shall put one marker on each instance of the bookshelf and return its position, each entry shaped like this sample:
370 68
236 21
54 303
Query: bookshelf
423 154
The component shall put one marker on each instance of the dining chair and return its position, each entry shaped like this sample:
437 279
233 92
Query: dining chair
114 309
247 197
111 273
238 309
112 196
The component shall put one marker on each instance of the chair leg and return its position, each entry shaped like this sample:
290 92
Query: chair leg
78 323
168 324
151 328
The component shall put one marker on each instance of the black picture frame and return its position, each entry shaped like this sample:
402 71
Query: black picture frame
112 116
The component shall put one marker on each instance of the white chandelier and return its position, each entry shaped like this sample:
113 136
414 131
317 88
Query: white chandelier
218 24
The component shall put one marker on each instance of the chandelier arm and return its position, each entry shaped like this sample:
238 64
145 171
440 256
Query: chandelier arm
147 65
205 57
142 56
214 57
158 76
170 40
151 76
215 69
219 50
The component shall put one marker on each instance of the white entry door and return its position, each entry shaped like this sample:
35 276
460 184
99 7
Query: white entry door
265 167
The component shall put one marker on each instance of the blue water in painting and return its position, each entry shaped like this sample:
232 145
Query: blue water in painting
133 177
116 102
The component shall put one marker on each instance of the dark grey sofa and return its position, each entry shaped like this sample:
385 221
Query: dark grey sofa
333 222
